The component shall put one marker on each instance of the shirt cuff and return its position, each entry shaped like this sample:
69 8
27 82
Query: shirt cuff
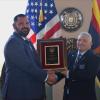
46 78
67 76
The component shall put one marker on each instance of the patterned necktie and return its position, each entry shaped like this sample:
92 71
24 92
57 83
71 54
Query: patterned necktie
77 60
79 57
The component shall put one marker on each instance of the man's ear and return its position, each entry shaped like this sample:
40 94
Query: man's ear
91 43
14 26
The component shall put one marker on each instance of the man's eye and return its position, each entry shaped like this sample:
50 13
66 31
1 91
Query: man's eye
27 23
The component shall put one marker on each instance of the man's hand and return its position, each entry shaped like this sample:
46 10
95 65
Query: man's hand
64 72
52 78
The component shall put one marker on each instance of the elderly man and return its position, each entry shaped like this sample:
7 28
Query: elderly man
82 69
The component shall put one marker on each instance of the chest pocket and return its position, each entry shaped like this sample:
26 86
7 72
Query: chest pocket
82 66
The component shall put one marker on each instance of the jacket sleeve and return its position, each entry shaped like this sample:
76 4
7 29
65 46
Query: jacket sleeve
59 76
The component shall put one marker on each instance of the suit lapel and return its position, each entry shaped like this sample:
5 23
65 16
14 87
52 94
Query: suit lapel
31 53
86 55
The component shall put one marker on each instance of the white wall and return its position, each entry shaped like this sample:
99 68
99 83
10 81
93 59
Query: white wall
8 9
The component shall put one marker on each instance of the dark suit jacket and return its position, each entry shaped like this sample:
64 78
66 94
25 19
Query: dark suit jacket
81 82
24 79
98 73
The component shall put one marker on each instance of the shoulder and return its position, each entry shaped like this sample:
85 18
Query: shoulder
13 43
90 54
14 39
72 53
93 57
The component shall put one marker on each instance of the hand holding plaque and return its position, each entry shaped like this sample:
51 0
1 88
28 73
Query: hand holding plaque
52 53
52 78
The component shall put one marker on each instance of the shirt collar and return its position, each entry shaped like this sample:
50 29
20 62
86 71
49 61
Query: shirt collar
82 53
24 38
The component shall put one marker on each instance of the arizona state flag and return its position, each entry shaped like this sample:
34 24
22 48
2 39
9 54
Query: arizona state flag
94 28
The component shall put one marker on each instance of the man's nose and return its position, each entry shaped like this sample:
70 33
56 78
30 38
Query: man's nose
81 42
25 25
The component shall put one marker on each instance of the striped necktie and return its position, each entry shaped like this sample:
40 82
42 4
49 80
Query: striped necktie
79 57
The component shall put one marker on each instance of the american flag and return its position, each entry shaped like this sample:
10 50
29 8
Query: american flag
44 20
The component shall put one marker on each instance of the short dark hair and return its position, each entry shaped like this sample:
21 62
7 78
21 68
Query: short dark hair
19 15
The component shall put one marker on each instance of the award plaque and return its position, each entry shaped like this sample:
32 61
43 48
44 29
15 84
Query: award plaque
52 53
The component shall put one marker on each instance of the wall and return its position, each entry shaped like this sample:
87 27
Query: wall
83 5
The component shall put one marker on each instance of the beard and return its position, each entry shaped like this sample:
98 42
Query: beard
24 32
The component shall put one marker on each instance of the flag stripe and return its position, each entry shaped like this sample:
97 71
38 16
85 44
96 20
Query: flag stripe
49 34
48 26
95 25
33 38
98 2
57 34
53 30
43 18
95 36
94 28
96 11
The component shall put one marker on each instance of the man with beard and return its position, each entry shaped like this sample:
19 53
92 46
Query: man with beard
24 76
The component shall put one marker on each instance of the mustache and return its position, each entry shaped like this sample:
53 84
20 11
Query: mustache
25 29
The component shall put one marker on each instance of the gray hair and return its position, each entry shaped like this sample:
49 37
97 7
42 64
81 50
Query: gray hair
86 34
